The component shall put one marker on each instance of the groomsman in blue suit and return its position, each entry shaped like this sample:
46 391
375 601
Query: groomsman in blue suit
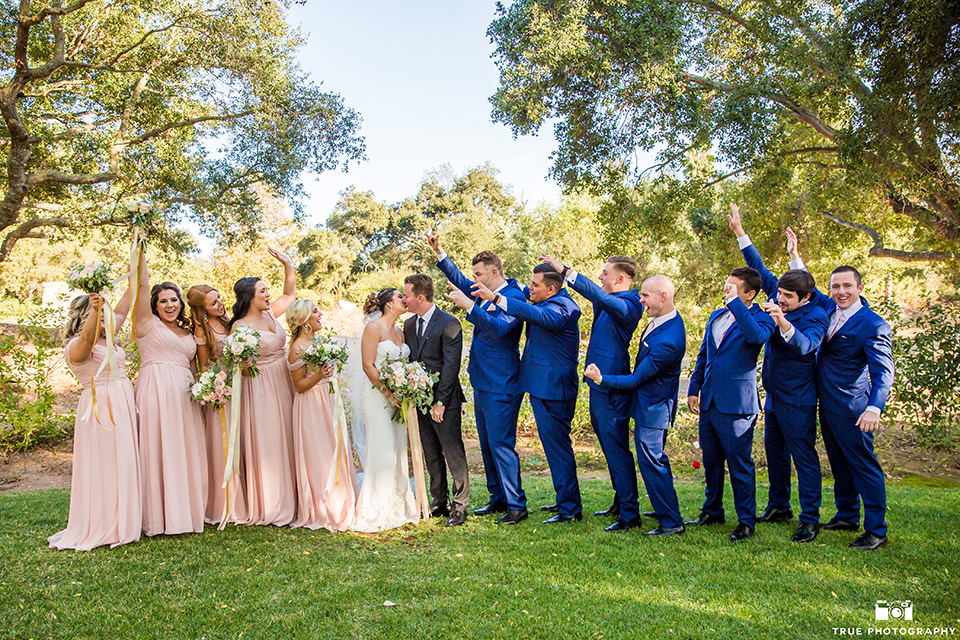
494 371
723 391
655 383
548 373
854 378
790 409
616 312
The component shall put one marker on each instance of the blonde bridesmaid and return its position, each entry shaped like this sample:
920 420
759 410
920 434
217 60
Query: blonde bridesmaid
315 430
266 403
211 324
105 487
173 458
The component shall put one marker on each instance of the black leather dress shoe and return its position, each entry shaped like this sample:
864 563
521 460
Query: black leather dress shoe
612 511
741 533
623 525
703 519
491 507
440 512
560 518
457 518
649 514
666 531
513 516
838 524
869 541
806 532
555 508
772 514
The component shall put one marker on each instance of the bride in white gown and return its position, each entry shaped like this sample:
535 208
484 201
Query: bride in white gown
386 500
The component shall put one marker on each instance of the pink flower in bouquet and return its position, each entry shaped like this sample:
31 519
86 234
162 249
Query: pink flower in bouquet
236 348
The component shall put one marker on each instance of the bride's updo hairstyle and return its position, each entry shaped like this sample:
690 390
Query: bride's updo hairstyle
244 289
378 301
298 315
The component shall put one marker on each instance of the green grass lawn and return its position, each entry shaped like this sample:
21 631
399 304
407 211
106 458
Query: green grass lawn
479 580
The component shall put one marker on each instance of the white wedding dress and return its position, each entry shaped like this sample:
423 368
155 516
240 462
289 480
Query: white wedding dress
386 500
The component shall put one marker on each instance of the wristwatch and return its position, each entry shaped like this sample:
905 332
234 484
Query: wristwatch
565 271
496 299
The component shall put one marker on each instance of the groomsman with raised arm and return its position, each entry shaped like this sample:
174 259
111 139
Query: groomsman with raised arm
548 373
655 383
616 312
789 368
854 377
494 371
723 391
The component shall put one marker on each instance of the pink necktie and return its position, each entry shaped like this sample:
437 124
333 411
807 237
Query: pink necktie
836 325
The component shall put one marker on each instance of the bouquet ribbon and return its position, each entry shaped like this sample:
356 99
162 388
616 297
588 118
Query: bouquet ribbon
110 362
416 453
343 437
232 465
226 483
136 254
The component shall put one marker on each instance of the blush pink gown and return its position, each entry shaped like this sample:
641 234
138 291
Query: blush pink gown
105 487
173 457
266 436
315 449
213 437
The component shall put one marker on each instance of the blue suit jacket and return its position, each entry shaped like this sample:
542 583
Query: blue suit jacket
789 368
855 367
726 374
615 318
656 376
495 349
548 368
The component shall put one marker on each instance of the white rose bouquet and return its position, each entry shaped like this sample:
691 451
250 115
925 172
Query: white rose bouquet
90 278
212 388
410 383
323 350
242 347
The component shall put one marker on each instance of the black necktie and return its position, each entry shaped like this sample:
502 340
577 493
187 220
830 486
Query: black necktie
419 328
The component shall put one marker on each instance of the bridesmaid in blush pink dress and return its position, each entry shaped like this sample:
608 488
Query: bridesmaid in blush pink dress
266 403
105 488
211 324
315 431
173 459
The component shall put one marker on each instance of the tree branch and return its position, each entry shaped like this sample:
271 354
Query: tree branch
51 175
879 251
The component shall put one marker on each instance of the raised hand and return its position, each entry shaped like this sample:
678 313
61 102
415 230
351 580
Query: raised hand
792 244
434 241
776 312
733 219
95 302
481 291
282 257
592 372
553 262
458 297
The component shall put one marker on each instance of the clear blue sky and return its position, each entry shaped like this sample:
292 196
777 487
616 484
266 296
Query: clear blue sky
420 74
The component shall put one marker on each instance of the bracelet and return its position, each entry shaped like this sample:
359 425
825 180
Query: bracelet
496 299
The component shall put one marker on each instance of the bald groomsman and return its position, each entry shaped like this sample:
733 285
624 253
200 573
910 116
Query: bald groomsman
655 383
616 312
854 378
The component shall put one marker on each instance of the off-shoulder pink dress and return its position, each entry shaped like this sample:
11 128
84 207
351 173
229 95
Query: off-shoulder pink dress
105 488
315 446
173 456
266 435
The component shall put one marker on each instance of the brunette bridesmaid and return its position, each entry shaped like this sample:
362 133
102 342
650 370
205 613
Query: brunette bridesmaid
173 459
211 324
315 431
266 403
105 487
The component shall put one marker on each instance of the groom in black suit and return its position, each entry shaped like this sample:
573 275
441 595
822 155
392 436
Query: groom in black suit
436 340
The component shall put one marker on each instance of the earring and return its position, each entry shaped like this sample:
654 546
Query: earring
389 307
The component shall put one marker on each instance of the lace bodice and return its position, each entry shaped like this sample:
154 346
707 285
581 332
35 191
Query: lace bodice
388 350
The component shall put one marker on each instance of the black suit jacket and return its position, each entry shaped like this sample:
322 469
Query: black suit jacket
439 351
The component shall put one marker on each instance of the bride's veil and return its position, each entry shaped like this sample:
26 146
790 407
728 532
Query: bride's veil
354 382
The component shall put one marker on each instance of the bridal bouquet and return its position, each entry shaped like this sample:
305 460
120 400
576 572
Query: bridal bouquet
242 347
212 388
410 383
325 349
90 278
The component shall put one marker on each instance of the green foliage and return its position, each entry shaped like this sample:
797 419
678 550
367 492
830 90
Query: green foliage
845 109
926 390
27 400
